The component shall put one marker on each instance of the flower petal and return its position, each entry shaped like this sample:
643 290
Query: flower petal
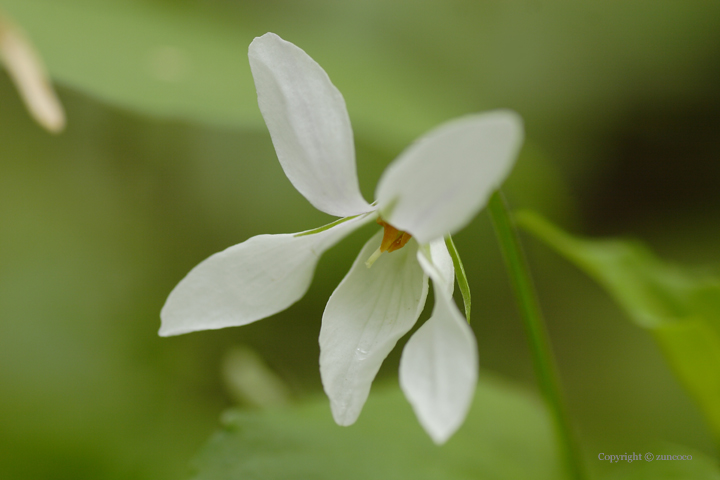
439 364
253 280
438 370
438 184
309 125
437 263
364 318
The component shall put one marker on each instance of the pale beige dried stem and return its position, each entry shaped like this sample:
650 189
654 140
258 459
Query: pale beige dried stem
29 75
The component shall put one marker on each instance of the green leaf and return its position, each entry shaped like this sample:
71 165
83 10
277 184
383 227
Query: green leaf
148 56
693 350
506 436
680 308
188 60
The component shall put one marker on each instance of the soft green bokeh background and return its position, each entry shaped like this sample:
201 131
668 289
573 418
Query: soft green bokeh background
165 161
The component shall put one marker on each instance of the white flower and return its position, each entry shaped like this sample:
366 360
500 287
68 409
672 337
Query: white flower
433 189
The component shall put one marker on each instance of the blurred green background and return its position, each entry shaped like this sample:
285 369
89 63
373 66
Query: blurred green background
165 160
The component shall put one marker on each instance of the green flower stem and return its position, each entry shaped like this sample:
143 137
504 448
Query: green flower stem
542 356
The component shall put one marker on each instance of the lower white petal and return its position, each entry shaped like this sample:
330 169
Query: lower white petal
364 318
255 279
439 369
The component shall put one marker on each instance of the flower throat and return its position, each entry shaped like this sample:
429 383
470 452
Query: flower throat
393 239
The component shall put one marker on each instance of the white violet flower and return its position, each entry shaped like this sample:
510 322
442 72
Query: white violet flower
433 189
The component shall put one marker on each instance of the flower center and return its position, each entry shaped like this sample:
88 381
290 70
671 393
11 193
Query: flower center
393 239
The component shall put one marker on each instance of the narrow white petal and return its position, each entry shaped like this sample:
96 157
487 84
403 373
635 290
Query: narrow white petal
30 78
438 184
253 280
309 125
439 364
437 263
364 318
439 370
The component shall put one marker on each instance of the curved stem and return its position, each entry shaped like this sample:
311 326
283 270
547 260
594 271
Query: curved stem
542 356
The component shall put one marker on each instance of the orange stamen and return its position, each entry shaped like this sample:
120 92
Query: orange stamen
393 239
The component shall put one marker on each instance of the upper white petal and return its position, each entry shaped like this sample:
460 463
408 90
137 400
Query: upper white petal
309 125
438 184
364 318
439 364
253 280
